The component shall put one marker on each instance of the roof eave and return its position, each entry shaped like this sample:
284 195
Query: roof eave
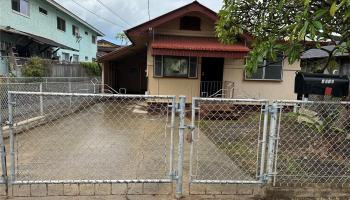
213 15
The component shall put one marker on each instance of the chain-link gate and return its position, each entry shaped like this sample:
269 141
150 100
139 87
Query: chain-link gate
65 138
228 141
312 143
90 138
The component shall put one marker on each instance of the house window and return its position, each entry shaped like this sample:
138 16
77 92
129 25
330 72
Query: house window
268 70
65 57
75 30
21 6
86 33
175 66
93 39
86 58
42 11
61 24
75 58
190 23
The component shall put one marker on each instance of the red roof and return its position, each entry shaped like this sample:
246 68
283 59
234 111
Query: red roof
191 7
197 46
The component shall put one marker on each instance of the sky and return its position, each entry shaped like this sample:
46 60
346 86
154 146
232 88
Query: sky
132 12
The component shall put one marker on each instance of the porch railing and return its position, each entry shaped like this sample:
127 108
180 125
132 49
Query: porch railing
217 89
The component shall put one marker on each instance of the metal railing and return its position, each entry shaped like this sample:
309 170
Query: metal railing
217 89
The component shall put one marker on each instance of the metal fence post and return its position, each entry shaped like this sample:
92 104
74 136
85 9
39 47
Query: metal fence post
12 142
193 127
272 141
172 124
263 142
3 156
41 100
181 147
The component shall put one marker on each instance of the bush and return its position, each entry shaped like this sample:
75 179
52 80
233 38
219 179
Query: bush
35 67
92 68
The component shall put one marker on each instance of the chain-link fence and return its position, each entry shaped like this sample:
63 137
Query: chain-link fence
86 138
45 84
312 143
105 138
228 140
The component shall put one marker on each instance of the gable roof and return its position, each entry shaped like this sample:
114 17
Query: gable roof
69 13
108 42
319 53
237 50
192 7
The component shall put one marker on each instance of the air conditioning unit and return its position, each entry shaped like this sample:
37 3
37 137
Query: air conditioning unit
77 34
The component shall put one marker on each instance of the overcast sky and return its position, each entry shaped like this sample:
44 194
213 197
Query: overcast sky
132 11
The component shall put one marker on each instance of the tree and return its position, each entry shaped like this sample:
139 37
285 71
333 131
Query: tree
124 39
287 27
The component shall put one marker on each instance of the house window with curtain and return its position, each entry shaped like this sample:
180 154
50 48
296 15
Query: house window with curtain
42 11
175 66
61 24
21 6
75 30
268 70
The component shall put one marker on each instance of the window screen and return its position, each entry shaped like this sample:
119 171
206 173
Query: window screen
268 71
193 68
190 23
21 6
158 66
61 24
175 66
75 30
42 11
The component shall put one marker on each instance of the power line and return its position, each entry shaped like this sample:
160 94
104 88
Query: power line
112 11
107 20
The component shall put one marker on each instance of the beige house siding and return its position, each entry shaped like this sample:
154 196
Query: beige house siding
173 28
189 87
234 71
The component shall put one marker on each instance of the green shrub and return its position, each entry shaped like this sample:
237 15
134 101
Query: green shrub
92 68
35 67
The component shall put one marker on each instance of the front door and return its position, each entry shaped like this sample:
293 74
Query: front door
211 77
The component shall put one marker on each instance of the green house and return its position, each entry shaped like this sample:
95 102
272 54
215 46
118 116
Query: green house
46 29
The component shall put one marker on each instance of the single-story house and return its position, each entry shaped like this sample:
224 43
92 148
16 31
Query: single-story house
314 59
178 53
104 47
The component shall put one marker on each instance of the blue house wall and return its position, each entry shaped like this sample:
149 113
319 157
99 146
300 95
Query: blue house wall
46 26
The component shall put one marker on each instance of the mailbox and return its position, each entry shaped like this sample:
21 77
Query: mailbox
321 84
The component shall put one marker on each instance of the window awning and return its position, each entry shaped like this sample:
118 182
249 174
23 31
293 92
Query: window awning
36 38
197 47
